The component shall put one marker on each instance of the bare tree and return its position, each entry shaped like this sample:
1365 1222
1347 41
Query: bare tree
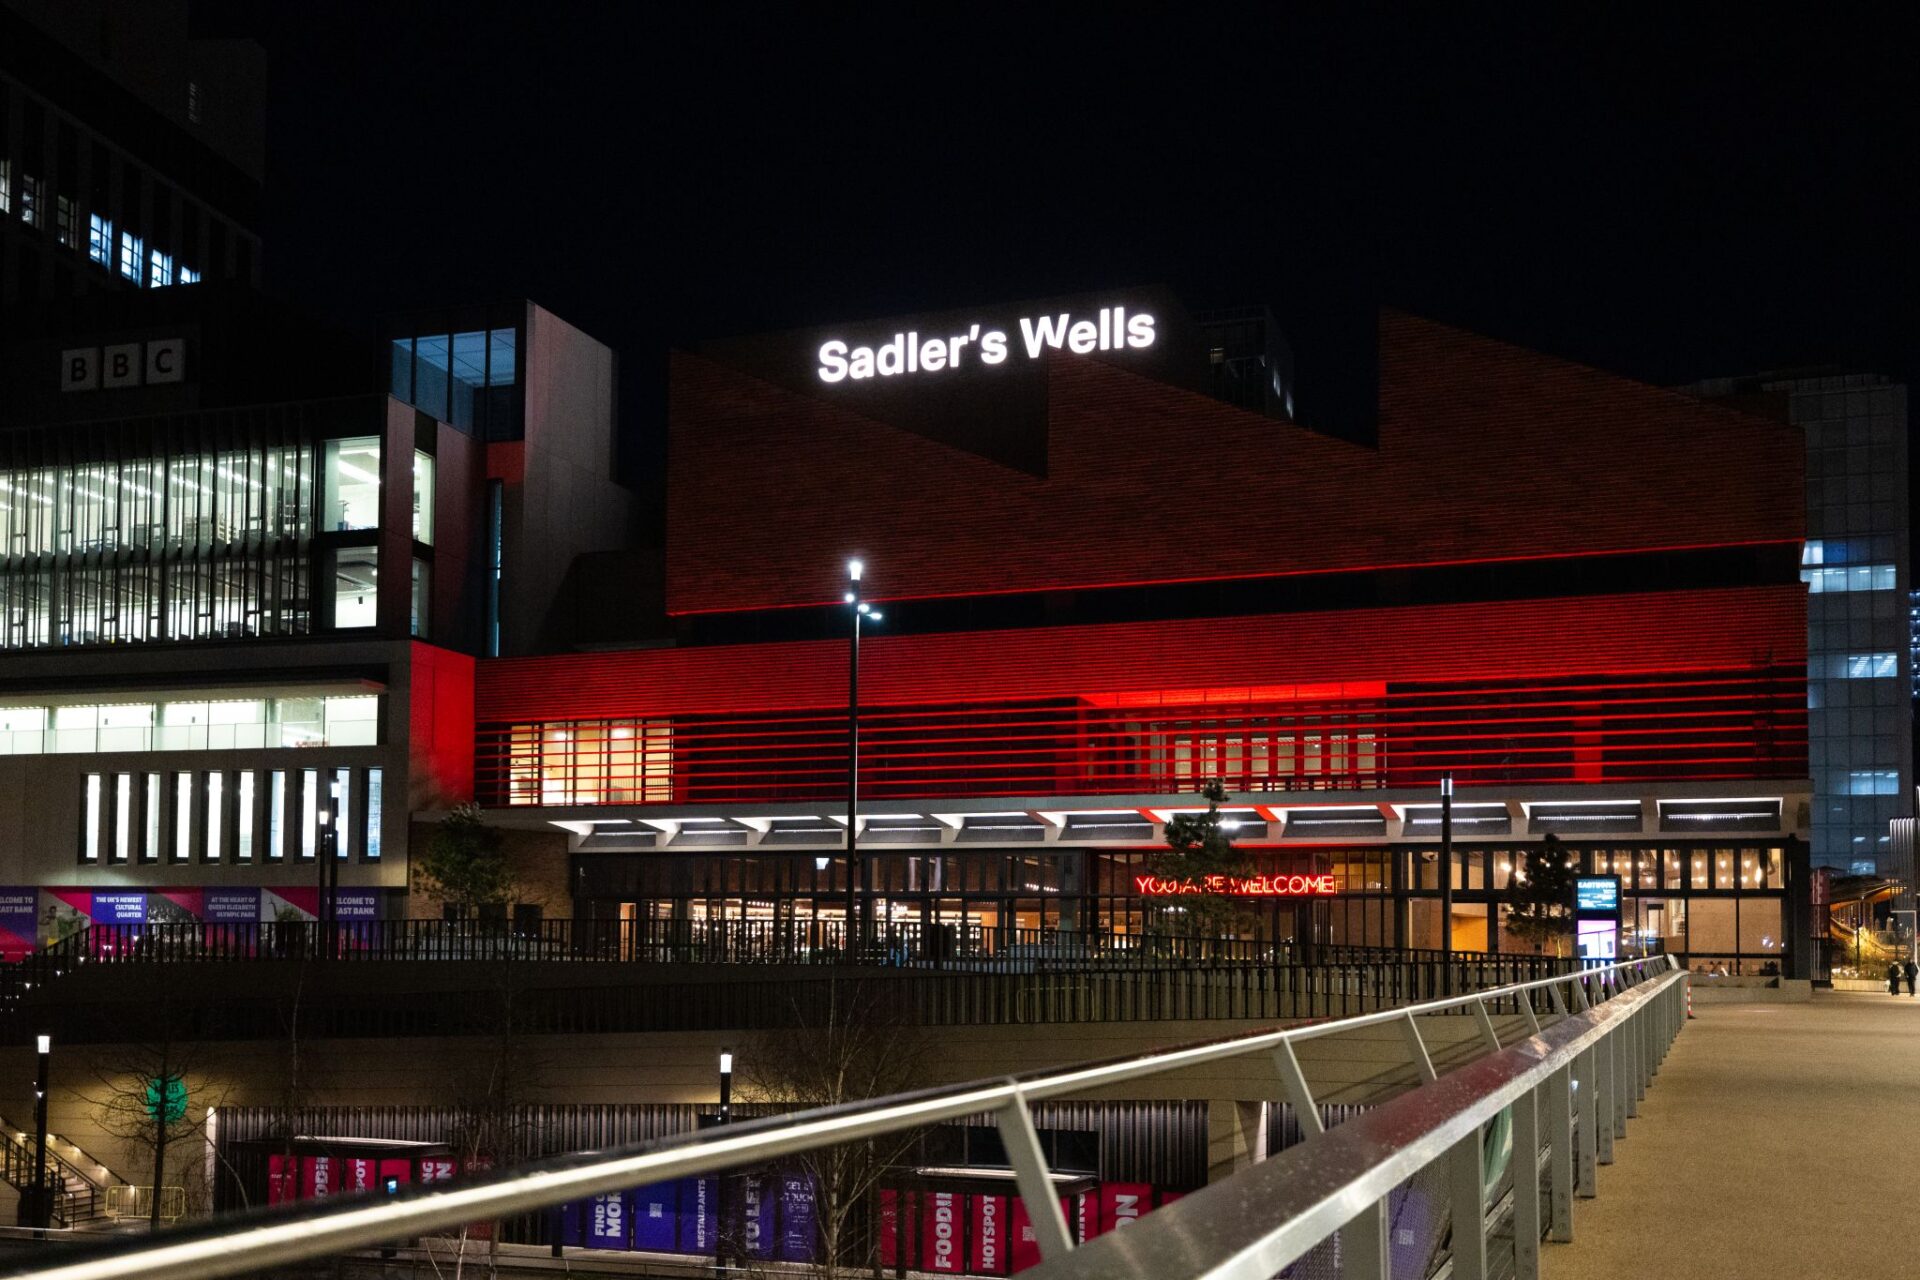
146 1099
847 1045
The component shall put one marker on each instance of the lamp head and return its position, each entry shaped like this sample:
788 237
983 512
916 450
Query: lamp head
854 569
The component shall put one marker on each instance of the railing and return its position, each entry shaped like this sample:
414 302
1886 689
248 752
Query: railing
722 1002
1600 1054
897 945
137 1202
76 1197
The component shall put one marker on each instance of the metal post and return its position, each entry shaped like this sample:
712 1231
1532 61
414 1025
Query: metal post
1417 1049
1446 882
42 1080
1586 1099
1526 1185
1467 1177
856 610
1364 1254
1294 1082
1606 1095
1022 1143
723 1181
1560 1176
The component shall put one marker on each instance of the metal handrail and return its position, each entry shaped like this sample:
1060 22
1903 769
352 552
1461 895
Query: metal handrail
272 1237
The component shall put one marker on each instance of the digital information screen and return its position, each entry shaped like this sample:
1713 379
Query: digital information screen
1597 895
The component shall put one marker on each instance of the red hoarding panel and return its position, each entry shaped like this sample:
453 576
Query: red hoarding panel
942 1232
987 1254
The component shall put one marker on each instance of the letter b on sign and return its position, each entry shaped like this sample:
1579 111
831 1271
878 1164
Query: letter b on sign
80 370
120 366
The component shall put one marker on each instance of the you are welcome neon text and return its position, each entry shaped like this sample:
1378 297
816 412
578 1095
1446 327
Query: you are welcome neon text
1238 886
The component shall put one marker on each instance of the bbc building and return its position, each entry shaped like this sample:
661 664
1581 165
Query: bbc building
1113 562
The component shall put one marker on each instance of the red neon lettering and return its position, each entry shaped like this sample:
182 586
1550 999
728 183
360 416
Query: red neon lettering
1321 885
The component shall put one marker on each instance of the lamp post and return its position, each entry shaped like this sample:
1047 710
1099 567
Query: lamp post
726 1086
860 610
1446 883
723 1182
42 1193
328 852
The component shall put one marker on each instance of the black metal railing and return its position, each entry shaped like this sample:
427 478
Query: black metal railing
76 1197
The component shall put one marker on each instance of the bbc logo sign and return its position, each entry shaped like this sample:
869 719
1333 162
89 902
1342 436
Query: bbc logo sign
128 364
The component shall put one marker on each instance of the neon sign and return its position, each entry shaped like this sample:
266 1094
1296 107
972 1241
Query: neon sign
915 353
1319 886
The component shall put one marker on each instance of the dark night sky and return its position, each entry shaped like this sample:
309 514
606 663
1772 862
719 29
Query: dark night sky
1668 200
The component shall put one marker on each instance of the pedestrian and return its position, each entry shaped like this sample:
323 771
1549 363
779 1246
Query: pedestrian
1893 977
1913 971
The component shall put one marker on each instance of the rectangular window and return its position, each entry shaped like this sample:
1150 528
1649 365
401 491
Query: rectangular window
150 802
1873 782
277 815
182 817
496 502
309 811
423 497
502 361
90 818
431 358
188 275
422 597
6 185
350 478
373 815
243 816
216 810
1871 666
29 195
341 793
1859 577
354 592
354 721
122 817
65 222
132 256
400 379
159 269
100 240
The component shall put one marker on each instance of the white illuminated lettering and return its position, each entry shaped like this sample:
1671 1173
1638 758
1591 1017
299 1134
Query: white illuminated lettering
1083 337
1044 333
1140 331
933 356
861 364
833 361
993 347
890 358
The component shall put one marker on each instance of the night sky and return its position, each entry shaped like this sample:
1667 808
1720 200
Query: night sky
1672 201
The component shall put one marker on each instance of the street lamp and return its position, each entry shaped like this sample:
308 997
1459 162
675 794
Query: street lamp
860 610
328 851
42 1193
726 1086
1446 882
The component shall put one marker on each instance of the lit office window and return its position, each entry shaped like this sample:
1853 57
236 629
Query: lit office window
309 811
188 275
28 197
182 817
422 597
132 256
100 240
159 269
341 788
90 827
277 816
216 809
352 721
355 588
6 185
348 720
1873 782
22 730
373 815
150 818
423 497
1859 577
1871 666
122 817
66 222
350 475
243 816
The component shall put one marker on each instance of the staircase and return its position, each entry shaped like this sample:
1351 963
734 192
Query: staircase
79 1201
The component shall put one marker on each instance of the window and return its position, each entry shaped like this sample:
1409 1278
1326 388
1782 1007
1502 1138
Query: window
90 823
182 817
188 275
352 722
216 809
347 720
309 811
66 222
422 610
122 817
341 795
243 816
1873 782
150 819
351 476
100 240
423 497
372 845
159 269
6 185
277 815
29 198
1871 666
1859 577
495 502
354 593
469 374
400 379
22 730
502 363
132 256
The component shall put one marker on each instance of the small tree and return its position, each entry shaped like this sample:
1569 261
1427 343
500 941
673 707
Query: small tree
1540 896
463 865
1200 857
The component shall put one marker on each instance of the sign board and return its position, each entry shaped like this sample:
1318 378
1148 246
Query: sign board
1597 895
124 364
1294 886
989 343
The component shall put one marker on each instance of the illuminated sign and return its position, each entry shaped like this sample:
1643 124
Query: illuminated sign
1597 895
912 352
1238 886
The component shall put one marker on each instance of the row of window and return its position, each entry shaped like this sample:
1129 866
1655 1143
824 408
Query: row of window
240 816
226 725
1859 577
1835 551
25 196
464 379
1855 666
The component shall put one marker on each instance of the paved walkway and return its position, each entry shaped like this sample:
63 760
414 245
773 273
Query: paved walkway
1778 1141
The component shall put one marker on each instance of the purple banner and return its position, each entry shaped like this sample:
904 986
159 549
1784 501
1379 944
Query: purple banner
119 908
756 1215
796 1218
655 1212
231 906
606 1221
356 905
699 1215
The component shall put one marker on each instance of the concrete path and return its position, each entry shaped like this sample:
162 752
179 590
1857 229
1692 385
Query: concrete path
1778 1141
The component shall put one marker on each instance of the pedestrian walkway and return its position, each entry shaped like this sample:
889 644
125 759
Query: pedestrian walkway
1779 1140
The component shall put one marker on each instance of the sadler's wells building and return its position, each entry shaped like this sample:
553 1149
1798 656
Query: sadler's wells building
1112 569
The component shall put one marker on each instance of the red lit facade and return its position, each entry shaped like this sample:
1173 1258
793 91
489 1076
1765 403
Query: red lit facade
1574 594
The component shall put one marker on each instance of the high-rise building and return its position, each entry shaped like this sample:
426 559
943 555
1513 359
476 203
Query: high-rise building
131 151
